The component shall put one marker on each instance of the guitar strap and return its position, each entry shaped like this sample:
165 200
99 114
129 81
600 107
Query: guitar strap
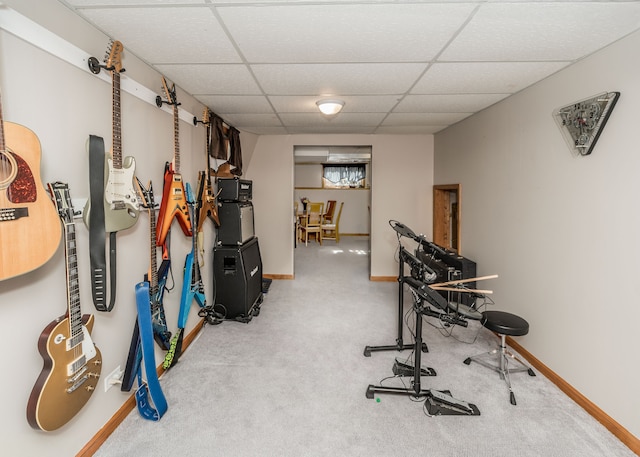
97 230
151 410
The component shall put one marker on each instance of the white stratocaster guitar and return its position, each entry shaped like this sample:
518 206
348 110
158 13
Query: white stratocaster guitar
121 205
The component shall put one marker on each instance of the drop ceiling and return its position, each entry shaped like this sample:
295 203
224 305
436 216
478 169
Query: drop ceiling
401 67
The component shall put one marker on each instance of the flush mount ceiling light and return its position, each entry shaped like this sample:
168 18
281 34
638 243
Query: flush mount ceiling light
330 107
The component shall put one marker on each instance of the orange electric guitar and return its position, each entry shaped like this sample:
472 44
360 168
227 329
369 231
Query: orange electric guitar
72 363
174 202
29 226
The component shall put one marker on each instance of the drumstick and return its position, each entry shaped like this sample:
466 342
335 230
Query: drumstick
453 289
460 281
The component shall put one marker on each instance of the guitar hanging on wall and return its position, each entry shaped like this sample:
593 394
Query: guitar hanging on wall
582 122
72 363
192 289
174 203
121 205
207 204
112 205
156 280
29 226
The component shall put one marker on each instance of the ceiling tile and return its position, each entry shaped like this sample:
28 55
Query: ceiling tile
542 31
417 119
237 104
344 119
337 79
353 103
469 103
256 120
212 79
164 35
343 33
483 77
409 129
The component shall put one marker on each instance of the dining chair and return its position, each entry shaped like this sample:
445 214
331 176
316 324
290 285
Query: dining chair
327 217
332 231
311 221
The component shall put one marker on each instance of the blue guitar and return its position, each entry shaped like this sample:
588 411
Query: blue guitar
156 280
192 288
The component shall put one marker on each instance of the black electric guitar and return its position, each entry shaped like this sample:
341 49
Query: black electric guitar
120 202
157 278
174 203
72 363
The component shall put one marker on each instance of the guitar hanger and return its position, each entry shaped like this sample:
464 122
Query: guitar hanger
203 121
95 66
171 93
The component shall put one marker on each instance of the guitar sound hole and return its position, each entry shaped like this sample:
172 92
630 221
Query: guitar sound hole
8 169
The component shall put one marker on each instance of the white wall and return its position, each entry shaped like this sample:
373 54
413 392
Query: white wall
63 104
401 189
560 230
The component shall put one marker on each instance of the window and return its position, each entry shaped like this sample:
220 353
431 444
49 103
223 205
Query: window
343 176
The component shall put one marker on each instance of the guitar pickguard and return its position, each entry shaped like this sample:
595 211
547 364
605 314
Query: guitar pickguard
119 185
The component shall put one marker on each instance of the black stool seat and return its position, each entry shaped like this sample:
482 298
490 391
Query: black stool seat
505 323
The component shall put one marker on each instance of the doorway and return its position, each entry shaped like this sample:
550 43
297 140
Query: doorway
314 169
446 216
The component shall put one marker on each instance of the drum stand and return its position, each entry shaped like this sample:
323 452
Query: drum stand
399 346
437 402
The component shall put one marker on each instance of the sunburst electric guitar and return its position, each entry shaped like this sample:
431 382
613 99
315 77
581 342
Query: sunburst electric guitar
121 205
207 202
174 203
72 363
29 225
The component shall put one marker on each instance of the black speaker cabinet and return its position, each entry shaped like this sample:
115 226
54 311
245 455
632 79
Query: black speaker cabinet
237 276
235 189
236 223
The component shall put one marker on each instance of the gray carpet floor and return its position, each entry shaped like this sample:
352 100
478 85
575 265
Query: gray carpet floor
292 382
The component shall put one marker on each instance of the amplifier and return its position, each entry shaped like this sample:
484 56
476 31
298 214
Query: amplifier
234 189
237 276
236 223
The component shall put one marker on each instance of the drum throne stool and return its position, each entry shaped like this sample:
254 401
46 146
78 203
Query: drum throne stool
503 324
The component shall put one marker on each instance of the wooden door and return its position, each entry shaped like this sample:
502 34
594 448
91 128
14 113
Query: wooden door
446 216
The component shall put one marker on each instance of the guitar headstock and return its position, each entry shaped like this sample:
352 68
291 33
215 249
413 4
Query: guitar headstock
205 116
146 195
62 199
114 57
169 92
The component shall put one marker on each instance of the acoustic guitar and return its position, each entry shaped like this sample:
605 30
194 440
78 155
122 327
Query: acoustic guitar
29 226
174 203
72 363
121 205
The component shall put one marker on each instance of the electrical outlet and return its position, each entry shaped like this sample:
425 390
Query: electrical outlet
113 378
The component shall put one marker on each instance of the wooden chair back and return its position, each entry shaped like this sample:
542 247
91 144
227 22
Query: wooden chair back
329 212
332 231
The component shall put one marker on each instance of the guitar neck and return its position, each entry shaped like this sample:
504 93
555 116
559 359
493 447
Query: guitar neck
73 286
176 139
117 121
153 268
